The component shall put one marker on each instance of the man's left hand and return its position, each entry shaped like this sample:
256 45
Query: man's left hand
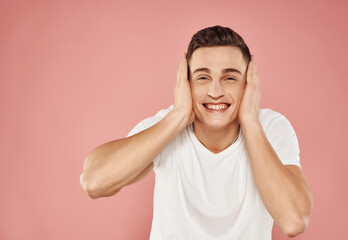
248 108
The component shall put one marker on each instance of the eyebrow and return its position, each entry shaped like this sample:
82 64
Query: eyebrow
225 70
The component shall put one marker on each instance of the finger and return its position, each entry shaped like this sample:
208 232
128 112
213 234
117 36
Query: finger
252 70
179 73
255 77
184 69
180 69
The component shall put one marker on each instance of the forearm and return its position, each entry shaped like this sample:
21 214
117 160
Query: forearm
285 197
110 166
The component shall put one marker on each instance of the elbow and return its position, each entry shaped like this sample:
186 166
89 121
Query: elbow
297 228
301 224
89 187
93 190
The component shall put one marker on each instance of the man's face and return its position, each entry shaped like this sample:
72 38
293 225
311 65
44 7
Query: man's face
217 78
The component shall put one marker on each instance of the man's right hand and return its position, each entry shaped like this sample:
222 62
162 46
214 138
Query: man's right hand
183 98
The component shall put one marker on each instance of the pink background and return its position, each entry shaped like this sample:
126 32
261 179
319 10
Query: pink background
76 74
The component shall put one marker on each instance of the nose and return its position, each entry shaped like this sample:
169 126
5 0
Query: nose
216 90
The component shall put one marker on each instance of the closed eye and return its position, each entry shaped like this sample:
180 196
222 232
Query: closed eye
204 78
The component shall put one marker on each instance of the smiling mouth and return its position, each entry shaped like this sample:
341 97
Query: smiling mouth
216 107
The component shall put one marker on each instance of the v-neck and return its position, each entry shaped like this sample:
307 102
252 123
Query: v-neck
221 154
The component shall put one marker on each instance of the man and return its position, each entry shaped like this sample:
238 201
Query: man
225 169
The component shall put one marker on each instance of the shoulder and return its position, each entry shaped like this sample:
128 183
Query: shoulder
267 114
269 117
150 121
164 112
281 136
275 125
157 117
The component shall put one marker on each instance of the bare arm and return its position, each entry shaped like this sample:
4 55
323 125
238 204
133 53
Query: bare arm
283 189
115 164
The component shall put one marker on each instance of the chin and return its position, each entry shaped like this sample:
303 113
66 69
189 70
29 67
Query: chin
214 124
217 125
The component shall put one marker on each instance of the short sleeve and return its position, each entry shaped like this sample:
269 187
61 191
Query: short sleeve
137 129
283 139
149 122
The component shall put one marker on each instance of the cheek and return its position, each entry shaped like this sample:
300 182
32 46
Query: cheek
197 92
240 95
236 92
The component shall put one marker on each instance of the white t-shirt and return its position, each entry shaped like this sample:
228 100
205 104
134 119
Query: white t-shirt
202 195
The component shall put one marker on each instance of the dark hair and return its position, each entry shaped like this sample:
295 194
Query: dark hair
217 36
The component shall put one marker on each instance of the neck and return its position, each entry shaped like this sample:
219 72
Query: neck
216 140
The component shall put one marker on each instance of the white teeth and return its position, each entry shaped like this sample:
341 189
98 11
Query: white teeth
217 107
